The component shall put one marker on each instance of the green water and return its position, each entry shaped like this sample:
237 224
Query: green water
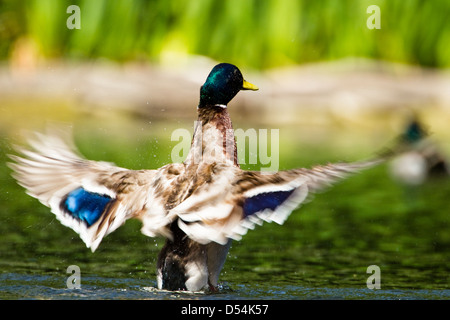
321 252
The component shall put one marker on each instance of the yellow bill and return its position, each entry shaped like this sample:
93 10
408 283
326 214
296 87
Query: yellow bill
248 86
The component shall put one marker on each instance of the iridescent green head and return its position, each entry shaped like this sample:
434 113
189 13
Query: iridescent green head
223 83
414 132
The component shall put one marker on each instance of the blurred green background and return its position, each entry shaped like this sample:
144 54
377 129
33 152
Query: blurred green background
335 89
258 34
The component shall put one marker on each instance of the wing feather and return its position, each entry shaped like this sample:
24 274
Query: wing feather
210 202
92 198
255 198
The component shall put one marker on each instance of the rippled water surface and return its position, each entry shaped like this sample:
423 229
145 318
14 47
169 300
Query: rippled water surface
21 286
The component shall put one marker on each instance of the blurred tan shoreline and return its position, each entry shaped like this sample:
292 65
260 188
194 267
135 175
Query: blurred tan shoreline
358 93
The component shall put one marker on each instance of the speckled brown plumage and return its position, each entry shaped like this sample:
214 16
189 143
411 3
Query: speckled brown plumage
219 118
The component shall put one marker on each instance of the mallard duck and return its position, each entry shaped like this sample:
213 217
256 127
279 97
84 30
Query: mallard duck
418 158
199 206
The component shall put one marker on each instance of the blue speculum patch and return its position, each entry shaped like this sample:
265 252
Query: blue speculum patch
86 206
266 200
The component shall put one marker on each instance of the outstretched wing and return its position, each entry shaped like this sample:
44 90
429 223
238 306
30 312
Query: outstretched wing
93 198
273 197
257 197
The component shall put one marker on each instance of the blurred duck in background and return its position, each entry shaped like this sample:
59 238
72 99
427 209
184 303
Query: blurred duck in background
421 158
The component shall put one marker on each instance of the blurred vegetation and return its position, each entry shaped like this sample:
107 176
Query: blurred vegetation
259 34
